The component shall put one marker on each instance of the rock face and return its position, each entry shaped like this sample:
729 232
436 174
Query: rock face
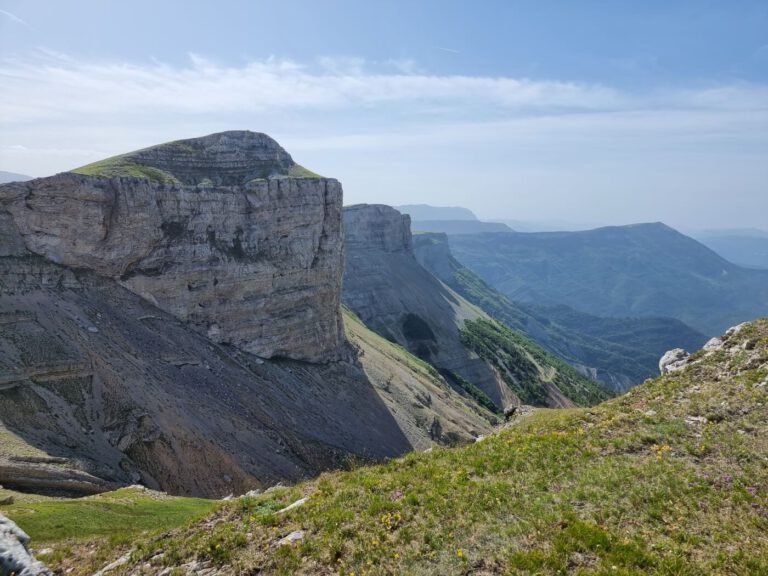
223 238
131 310
388 289
395 296
15 558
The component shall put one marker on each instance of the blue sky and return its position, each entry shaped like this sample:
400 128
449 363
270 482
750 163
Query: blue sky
604 112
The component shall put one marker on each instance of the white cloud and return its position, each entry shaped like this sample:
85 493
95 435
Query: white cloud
513 146
51 85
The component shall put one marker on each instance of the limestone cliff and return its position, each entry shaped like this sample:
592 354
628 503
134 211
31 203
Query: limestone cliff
388 289
218 231
394 295
130 309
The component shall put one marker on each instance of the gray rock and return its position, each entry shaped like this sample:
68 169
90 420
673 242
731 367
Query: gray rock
251 493
673 360
15 557
253 260
733 330
122 561
713 344
695 420
295 536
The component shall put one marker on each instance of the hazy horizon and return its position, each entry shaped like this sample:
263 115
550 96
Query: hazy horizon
536 111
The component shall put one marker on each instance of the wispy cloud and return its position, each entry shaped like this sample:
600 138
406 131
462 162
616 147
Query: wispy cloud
451 50
521 145
14 18
51 85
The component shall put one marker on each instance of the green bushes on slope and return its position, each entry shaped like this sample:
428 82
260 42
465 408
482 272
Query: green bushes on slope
525 367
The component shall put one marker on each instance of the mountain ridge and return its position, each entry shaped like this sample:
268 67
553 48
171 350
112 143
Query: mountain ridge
608 350
637 270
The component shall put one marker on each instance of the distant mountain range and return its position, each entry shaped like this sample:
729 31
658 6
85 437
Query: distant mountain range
6 177
747 247
637 270
426 212
458 226
619 352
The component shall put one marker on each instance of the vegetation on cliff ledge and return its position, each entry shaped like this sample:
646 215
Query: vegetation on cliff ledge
524 366
124 166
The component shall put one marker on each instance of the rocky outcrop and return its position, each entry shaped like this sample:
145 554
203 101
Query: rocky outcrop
677 359
214 230
136 311
393 295
15 558
673 360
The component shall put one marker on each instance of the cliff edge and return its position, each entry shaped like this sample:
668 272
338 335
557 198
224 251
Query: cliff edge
225 232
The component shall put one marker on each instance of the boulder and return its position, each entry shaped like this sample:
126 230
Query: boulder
713 344
15 557
673 360
733 330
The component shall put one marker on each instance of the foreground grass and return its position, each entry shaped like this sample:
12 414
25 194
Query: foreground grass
102 523
671 478
125 512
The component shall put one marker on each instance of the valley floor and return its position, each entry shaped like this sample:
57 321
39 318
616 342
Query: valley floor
671 478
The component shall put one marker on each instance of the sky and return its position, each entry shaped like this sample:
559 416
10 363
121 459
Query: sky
598 112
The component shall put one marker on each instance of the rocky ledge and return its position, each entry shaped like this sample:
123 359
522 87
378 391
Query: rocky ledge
226 232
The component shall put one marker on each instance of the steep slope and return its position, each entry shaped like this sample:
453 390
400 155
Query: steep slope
620 352
388 289
639 270
668 479
110 373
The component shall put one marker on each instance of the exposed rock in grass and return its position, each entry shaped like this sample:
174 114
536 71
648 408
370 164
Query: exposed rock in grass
15 558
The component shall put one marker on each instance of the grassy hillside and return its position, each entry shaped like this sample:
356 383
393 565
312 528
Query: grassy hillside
668 479
527 369
85 533
620 352
639 270
125 165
